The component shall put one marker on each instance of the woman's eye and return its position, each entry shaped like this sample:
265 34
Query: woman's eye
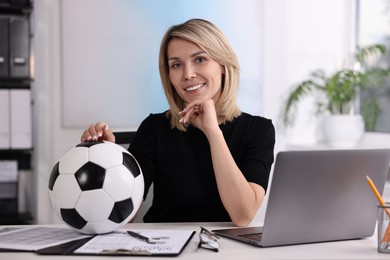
200 59
175 65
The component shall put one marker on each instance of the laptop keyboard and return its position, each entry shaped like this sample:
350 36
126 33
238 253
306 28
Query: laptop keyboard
253 236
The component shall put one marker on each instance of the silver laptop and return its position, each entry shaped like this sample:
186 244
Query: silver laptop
318 196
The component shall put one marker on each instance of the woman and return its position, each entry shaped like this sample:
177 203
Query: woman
208 160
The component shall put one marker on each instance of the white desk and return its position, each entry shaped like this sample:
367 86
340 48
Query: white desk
230 249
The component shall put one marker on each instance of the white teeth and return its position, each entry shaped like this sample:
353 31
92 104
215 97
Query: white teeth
194 87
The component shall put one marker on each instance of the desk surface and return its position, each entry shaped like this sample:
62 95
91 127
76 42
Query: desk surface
230 249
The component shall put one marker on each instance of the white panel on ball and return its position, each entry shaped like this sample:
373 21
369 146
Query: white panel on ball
117 181
94 205
74 159
66 185
107 155
99 227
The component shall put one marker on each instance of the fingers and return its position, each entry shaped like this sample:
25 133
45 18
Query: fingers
194 108
97 132
187 113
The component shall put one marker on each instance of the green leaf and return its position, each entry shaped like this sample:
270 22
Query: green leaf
341 88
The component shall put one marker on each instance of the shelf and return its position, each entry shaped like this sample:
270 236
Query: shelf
15 9
22 156
23 218
7 83
16 42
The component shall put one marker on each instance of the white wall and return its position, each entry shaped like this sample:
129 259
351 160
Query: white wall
296 37
301 36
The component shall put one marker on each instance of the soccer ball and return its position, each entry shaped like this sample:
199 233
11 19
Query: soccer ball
96 187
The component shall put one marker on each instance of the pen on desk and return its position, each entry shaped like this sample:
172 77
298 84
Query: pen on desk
146 239
137 235
377 195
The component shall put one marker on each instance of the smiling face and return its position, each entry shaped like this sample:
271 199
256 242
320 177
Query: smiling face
193 73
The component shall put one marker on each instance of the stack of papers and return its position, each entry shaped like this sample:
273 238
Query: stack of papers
122 243
35 238
50 240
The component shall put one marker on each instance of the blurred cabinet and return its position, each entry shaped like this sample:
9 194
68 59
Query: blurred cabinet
19 48
16 146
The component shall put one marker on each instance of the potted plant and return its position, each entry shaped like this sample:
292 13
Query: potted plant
340 94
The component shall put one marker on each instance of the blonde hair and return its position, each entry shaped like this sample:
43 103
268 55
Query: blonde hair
210 39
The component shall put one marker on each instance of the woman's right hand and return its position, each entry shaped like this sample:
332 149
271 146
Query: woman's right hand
98 132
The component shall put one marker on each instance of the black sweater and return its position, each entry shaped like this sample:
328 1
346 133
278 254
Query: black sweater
180 167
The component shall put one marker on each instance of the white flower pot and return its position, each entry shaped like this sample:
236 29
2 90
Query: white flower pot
343 131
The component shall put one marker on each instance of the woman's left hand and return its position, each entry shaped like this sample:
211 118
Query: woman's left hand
201 114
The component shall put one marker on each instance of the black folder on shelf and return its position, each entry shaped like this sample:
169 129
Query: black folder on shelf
19 48
4 47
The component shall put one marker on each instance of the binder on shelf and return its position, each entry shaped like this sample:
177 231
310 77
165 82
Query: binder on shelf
8 188
21 122
4 45
19 47
14 3
20 3
5 136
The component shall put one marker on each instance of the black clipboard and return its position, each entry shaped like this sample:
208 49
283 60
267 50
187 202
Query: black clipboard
69 248
65 248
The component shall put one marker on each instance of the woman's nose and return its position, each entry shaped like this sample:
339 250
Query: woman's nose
189 73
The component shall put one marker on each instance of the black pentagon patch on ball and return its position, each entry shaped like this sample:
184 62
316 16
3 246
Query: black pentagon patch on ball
121 210
88 144
130 163
90 176
73 218
54 175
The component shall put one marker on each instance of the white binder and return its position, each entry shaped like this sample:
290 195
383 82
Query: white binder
21 123
5 138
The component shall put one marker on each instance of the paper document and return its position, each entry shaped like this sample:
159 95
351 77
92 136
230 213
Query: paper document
35 238
171 242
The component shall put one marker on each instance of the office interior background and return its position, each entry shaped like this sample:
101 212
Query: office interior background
97 60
